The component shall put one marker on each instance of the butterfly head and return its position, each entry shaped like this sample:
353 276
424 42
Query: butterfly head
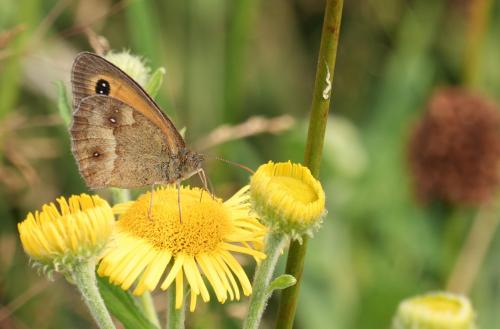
191 163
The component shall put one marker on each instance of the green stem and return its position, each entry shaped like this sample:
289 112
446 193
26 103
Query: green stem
84 278
263 274
175 317
314 147
477 27
475 248
290 296
149 309
119 195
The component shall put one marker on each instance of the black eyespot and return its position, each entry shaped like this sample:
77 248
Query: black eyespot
102 87
96 154
112 120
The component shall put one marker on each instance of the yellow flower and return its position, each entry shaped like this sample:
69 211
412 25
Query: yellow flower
77 230
287 198
437 310
202 243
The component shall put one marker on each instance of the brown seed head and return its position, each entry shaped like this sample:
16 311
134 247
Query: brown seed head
454 149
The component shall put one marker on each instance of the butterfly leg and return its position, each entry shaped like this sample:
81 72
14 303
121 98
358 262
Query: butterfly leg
203 178
151 200
208 185
178 184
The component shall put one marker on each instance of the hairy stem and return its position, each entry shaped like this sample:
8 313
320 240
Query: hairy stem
84 278
175 317
263 274
149 308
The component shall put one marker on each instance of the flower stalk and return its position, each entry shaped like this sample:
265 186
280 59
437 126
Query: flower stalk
477 28
475 248
314 147
263 274
148 307
175 316
83 275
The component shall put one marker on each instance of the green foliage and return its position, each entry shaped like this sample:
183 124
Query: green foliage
282 282
123 306
28 13
63 102
155 81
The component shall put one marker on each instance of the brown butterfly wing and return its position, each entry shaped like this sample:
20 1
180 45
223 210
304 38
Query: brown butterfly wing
116 145
90 70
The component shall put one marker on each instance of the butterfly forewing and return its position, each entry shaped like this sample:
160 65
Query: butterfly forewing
119 136
105 144
93 75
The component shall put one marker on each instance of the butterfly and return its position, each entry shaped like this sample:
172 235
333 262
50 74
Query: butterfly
119 135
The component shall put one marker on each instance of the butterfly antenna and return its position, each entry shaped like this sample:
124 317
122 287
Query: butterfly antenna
236 164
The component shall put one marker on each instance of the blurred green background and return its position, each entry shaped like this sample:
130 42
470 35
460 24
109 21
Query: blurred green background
227 61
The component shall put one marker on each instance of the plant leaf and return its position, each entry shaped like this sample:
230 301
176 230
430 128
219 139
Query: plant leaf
282 282
155 82
63 103
123 306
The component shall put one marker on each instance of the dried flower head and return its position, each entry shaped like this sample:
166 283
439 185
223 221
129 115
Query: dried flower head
454 149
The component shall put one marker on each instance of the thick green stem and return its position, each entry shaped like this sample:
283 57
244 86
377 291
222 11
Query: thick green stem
314 147
175 317
263 274
83 276
290 296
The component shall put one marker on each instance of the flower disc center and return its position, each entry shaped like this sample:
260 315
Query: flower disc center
200 230
439 304
296 188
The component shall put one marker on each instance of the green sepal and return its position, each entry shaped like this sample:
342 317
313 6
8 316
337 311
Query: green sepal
63 103
282 282
123 306
155 81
